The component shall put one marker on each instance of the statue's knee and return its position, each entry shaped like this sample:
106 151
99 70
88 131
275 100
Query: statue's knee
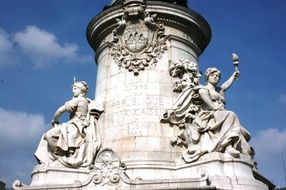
49 135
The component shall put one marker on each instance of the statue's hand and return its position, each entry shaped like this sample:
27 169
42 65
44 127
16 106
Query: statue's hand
236 75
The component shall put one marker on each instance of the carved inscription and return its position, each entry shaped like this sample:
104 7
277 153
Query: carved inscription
136 86
135 109
142 129
138 112
139 101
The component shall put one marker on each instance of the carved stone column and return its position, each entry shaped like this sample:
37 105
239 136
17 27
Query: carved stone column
147 56
134 43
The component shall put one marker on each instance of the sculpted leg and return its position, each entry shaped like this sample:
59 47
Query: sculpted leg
52 137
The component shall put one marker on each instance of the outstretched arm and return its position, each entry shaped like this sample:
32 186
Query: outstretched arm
226 85
61 110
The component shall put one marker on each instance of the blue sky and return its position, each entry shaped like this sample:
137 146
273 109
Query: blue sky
43 46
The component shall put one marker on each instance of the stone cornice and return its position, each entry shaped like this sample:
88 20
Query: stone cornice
196 28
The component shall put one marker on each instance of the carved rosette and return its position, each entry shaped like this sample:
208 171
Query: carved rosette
138 41
107 168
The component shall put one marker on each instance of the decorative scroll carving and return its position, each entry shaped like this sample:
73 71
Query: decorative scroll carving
107 168
138 41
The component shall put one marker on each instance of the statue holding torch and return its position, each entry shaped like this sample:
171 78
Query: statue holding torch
235 60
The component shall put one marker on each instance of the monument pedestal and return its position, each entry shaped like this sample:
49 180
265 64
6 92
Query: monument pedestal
147 54
212 171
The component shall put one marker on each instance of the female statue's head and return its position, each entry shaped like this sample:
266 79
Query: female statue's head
211 72
82 85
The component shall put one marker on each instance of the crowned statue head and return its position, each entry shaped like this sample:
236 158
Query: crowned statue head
81 85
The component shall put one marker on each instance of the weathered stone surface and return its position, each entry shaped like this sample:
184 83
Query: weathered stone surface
134 104
138 79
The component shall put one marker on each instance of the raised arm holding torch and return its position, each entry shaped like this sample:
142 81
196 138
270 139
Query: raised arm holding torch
235 61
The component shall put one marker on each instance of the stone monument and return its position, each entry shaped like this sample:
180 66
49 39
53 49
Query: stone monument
153 124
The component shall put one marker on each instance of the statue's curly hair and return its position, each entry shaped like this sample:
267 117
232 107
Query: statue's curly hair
210 71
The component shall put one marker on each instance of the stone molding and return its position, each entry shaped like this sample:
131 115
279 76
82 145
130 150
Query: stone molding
197 31
224 172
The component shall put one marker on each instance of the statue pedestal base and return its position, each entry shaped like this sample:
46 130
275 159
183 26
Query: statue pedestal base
42 175
82 179
47 177
222 171
226 172
211 171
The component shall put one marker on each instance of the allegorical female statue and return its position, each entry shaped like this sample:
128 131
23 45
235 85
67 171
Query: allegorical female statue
215 129
208 126
74 143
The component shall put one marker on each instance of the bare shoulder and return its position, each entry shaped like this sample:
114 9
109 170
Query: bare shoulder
203 91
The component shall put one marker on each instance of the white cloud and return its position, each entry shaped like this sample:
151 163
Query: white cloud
6 49
20 133
5 44
20 127
269 146
42 48
282 99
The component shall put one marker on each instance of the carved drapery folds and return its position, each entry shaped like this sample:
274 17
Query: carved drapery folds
185 76
138 40
74 143
199 114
